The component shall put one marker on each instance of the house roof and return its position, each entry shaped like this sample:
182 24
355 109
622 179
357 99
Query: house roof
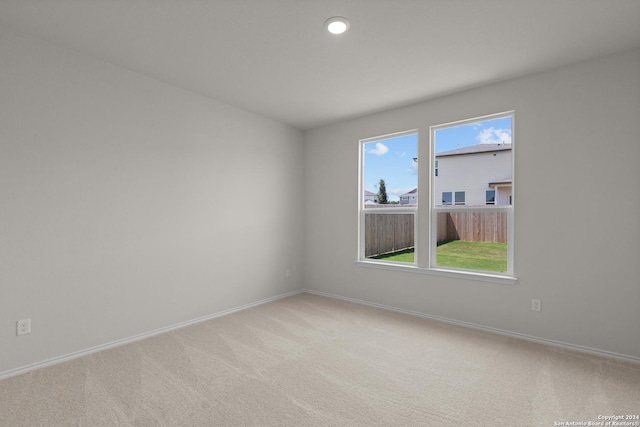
415 190
474 149
500 182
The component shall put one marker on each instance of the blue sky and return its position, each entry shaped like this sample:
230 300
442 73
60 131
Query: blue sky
392 159
484 132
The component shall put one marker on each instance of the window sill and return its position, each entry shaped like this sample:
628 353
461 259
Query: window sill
454 274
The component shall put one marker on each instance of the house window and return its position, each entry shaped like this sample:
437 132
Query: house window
490 197
388 169
476 233
463 230
446 198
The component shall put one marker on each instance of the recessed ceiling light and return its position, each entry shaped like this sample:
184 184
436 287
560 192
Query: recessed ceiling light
337 25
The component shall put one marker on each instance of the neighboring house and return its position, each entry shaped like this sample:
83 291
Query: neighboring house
410 198
370 197
474 176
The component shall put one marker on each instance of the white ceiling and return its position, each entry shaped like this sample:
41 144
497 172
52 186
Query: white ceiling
273 57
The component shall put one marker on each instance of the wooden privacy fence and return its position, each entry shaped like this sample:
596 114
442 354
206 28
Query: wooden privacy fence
388 233
474 226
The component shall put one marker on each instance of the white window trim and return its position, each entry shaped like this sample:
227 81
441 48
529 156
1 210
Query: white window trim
453 274
425 239
362 211
486 208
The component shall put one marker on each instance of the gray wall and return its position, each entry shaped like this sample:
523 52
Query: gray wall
577 208
123 203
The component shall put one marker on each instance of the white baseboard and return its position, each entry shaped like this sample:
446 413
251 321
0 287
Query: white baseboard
593 351
74 355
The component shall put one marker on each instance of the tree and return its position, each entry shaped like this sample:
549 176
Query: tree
382 193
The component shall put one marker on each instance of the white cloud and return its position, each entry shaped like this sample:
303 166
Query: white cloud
494 136
380 149
404 153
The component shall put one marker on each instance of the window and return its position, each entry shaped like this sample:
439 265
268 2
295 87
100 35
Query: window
490 197
389 169
446 198
465 229
476 232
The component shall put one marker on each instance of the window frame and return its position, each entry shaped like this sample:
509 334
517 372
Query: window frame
447 203
434 209
486 197
425 230
396 210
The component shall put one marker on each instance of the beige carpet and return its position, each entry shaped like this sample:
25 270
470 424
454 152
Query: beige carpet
309 360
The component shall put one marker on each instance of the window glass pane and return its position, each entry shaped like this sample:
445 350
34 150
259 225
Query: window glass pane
473 156
475 240
491 197
389 237
446 198
391 172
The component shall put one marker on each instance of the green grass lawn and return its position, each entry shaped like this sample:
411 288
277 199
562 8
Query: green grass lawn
462 254
473 255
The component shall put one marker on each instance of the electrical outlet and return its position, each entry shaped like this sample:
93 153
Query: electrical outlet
536 305
23 327
287 273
